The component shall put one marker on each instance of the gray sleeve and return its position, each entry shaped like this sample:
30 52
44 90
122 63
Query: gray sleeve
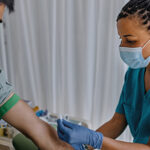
5 87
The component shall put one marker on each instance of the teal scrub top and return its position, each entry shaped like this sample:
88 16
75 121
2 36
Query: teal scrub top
134 103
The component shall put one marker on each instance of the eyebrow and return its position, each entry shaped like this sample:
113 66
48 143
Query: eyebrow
127 35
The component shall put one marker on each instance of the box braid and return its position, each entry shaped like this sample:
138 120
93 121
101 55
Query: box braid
139 8
9 4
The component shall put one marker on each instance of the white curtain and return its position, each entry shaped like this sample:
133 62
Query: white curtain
63 55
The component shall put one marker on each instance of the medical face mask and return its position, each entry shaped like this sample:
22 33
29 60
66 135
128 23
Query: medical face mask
133 56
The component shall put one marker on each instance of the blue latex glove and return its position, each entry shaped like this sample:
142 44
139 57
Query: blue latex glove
75 134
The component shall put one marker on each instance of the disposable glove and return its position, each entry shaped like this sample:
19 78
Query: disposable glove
76 134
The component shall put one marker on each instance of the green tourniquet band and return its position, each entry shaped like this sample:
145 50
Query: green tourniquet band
8 105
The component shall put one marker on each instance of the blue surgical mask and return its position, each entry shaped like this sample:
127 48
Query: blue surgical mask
133 56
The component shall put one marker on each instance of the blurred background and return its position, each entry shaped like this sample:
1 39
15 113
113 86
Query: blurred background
63 55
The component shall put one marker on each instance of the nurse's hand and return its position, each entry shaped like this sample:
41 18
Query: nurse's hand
75 134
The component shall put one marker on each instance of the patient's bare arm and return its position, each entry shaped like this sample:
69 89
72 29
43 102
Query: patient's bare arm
22 117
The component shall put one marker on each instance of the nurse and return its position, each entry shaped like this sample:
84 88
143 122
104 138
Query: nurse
19 114
133 24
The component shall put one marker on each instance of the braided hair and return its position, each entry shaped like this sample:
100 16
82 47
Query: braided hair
9 4
137 8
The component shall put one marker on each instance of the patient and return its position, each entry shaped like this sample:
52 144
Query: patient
17 113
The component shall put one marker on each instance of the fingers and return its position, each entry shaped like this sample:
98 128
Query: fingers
68 124
63 131
61 126
61 135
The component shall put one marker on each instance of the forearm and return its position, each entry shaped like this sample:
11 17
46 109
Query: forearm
108 130
114 127
111 129
43 135
46 137
111 144
22 117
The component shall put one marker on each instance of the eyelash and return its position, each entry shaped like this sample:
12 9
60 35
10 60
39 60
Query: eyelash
128 41
131 42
